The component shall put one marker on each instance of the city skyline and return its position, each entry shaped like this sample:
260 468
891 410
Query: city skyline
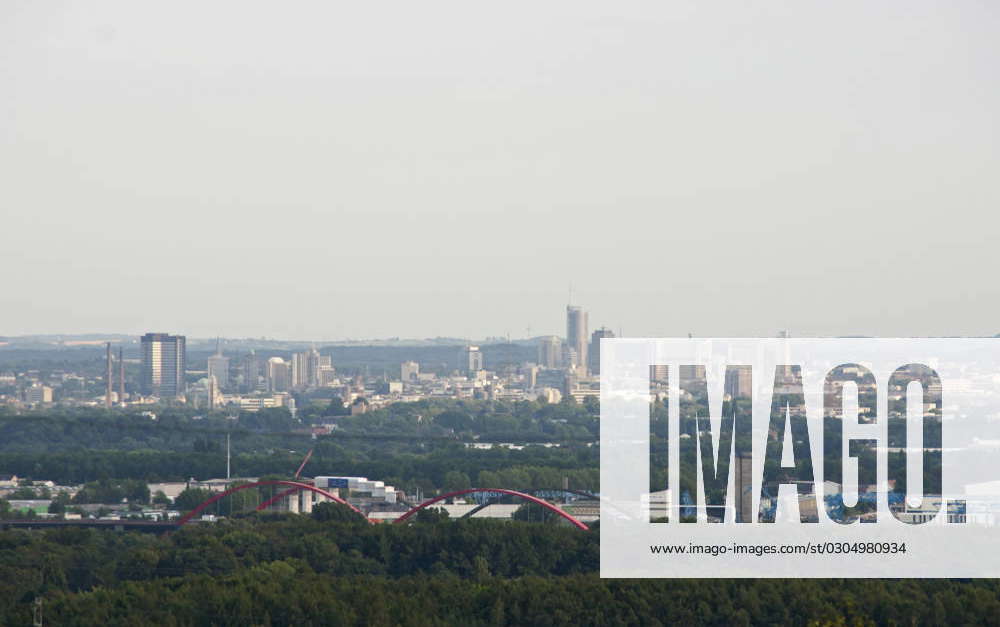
98 339
565 367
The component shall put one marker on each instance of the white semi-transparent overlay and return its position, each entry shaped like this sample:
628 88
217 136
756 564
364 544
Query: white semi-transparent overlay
961 539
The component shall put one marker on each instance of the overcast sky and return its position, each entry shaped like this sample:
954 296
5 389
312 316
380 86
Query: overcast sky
347 170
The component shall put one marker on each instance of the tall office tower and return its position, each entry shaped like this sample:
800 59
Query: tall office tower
595 348
218 367
305 369
313 361
576 335
164 360
251 372
107 377
278 375
471 360
296 370
409 370
550 352
121 376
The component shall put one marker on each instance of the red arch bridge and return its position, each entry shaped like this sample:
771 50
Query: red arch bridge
292 488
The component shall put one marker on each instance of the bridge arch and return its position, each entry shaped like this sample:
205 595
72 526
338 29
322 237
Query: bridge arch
295 485
527 497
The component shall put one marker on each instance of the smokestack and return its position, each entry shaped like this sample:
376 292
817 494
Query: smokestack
107 378
121 377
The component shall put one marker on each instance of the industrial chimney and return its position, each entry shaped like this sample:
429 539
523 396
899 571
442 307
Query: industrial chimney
107 378
121 377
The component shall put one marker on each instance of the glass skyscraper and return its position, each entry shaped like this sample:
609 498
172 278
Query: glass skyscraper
163 365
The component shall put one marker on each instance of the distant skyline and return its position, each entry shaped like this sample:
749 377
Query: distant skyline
432 169
98 340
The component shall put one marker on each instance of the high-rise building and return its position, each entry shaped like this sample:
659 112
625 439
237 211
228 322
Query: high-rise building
164 361
576 335
313 361
595 348
298 370
326 373
550 352
739 382
218 367
278 375
251 372
408 371
471 359
305 369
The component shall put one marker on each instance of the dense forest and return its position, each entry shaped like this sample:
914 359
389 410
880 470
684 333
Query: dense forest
428 470
331 568
425 446
176 428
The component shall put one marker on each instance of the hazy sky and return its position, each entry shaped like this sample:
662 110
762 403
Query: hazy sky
331 170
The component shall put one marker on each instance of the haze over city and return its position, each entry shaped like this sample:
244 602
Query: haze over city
271 183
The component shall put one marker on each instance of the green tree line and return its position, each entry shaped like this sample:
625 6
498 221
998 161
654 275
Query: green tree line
330 568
